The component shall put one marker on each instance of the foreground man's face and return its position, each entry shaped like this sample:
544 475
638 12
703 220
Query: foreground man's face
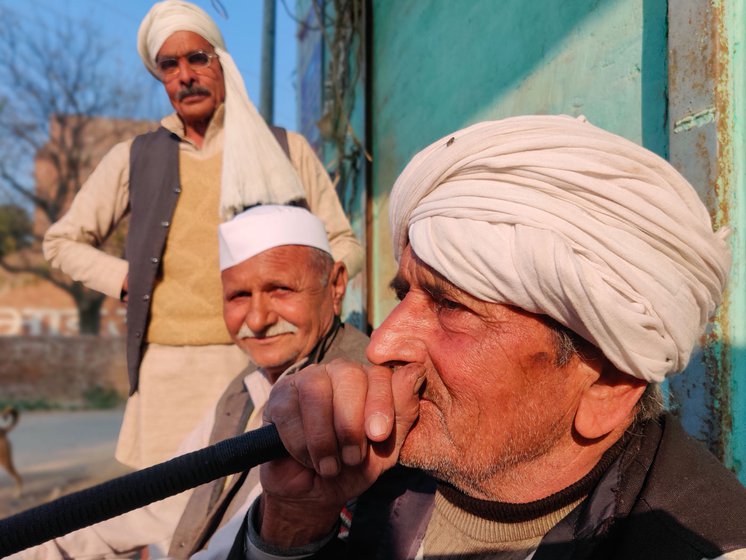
493 398
282 288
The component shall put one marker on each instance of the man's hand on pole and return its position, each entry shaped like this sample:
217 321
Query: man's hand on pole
343 425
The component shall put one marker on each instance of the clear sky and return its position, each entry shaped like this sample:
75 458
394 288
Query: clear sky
120 19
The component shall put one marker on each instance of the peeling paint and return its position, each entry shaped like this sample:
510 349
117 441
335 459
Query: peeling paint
694 120
731 16
704 143
721 349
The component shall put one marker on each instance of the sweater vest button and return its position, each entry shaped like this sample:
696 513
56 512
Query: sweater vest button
154 260
146 297
177 190
165 224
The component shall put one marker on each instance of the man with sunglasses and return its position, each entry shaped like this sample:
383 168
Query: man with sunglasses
209 160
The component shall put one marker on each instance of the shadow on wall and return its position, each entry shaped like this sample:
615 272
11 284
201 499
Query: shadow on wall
701 397
654 75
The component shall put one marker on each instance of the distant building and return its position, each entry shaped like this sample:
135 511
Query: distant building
29 305
91 138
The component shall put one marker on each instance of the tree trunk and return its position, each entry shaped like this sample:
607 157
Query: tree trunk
89 305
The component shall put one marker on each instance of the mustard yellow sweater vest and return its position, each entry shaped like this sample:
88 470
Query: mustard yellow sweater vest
187 306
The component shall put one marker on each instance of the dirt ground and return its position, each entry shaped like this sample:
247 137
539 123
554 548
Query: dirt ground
57 453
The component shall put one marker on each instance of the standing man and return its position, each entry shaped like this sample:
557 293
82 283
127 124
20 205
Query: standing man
207 162
517 379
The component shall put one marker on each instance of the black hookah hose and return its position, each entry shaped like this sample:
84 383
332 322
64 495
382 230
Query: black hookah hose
137 489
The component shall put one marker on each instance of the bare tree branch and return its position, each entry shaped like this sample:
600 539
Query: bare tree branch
61 82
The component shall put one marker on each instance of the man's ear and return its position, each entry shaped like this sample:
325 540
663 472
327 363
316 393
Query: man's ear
607 403
338 285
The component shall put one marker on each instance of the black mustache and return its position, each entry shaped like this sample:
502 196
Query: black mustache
191 90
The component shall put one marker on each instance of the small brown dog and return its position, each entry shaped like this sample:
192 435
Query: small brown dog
9 417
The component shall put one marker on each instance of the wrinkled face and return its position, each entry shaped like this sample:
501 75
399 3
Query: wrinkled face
493 397
277 305
194 94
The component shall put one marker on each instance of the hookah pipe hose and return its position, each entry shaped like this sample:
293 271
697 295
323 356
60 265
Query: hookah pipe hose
137 489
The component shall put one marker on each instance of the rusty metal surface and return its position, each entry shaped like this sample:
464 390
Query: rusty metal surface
699 139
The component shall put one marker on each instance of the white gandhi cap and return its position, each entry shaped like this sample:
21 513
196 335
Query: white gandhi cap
265 227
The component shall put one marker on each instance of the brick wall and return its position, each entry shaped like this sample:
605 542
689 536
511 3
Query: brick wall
60 370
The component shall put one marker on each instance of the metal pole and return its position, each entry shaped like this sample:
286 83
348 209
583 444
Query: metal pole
266 100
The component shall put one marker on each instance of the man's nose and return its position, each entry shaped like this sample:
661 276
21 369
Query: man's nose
398 339
187 75
260 315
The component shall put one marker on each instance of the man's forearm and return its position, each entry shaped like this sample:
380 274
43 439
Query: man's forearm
285 526
72 243
256 548
94 268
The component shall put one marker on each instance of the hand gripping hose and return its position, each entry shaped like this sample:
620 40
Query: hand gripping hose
134 490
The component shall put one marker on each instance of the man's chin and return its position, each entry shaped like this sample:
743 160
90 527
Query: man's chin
415 448
196 109
417 460
275 365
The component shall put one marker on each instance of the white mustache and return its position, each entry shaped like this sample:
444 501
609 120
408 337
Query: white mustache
280 327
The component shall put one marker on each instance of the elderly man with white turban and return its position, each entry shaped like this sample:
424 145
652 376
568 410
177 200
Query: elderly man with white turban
208 161
551 274
282 317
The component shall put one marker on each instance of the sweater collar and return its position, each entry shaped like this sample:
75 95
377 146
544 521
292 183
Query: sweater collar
507 512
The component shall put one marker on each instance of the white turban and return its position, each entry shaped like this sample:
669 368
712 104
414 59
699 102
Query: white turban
255 169
558 217
265 227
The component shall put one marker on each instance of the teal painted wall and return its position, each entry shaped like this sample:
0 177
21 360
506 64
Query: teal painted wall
439 65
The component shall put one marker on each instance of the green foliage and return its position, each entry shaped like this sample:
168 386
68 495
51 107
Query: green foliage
101 398
34 404
15 229
94 398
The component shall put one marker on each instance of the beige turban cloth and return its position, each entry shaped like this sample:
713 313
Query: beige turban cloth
559 217
255 169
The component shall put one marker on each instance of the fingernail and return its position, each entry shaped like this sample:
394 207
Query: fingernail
328 466
377 425
351 455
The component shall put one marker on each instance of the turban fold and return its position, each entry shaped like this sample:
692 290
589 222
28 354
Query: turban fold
559 217
255 168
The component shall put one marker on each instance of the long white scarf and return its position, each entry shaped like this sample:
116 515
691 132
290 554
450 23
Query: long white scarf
255 169
559 217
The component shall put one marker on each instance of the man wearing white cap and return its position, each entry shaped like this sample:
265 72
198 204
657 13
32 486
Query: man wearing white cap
517 379
208 161
282 298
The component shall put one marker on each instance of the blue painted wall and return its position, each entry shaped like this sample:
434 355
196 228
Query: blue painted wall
440 65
